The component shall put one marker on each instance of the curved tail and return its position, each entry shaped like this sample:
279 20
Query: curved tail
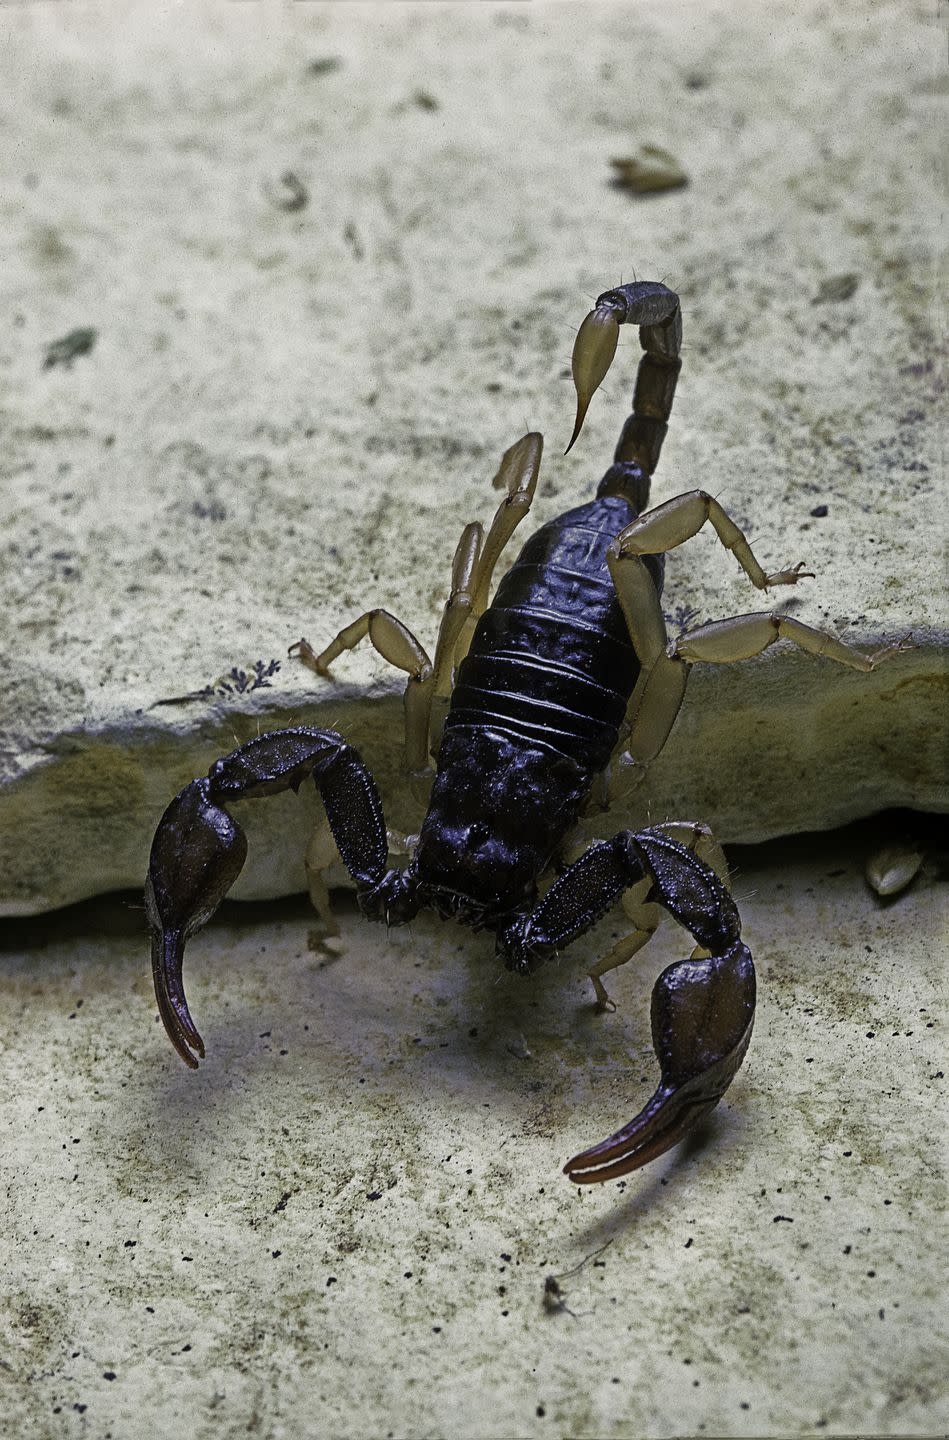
655 309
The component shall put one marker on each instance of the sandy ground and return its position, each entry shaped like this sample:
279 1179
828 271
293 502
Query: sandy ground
343 1223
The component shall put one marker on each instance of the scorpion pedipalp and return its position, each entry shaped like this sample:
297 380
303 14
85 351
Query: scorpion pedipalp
198 850
702 1015
702 1008
197 854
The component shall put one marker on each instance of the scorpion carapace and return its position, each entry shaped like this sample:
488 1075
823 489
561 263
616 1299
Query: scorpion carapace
540 682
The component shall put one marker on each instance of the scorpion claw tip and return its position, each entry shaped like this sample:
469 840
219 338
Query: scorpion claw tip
662 1123
167 955
197 854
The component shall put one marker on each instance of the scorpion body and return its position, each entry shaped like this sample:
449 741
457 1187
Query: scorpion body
535 715
540 682
542 693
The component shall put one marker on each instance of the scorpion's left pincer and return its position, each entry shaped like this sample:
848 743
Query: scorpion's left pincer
199 849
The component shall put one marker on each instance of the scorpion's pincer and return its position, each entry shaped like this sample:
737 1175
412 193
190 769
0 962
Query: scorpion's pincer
394 899
593 352
702 1014
196 856
522 954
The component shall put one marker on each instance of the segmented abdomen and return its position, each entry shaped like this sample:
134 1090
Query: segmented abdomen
551 661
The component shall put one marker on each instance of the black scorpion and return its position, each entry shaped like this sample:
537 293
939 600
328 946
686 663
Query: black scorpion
540 682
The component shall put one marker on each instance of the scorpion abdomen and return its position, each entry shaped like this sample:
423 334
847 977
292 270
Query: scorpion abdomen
551 662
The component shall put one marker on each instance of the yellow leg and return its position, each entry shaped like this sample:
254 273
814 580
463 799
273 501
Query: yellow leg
320 854
517 474
742 636
395 643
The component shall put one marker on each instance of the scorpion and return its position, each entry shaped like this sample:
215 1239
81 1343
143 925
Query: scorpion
539 684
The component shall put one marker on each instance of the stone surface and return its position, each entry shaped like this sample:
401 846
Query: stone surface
342 1224
288 410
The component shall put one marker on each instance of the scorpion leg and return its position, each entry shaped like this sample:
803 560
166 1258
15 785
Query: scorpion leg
458 607
741 636
670 524
477 555
702 1008
472 568
395 643
320 854
665 666
645 917
721 642
517 474
198 850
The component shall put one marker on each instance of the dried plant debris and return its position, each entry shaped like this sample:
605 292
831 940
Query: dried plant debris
519 1048
419 99
324 65
70 347
554 1297
894 867
351 236
681 618
235 682
650 170
555 1301
836 288
288 193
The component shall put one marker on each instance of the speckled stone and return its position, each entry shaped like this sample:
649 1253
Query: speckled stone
297 390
